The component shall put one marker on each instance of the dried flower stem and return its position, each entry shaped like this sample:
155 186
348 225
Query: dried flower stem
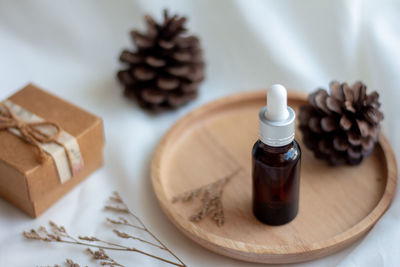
124 222
124 209
127 236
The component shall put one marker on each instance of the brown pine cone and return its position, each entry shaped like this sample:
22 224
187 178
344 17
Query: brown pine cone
341 126
167 66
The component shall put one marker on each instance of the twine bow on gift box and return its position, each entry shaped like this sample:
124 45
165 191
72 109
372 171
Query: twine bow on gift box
30 131
48 138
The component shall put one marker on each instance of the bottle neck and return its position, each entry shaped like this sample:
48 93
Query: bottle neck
276 149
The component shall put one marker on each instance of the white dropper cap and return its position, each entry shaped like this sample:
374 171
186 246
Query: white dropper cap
277 103
277 120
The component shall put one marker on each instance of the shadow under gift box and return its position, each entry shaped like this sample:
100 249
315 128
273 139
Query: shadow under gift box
33 186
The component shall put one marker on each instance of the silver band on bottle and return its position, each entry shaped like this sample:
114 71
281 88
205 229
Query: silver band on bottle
276 133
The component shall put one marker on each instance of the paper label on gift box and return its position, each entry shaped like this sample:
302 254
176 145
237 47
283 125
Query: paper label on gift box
66 166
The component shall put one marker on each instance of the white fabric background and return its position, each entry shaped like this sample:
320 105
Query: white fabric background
71 48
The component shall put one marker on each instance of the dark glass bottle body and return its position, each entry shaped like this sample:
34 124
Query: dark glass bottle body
276 182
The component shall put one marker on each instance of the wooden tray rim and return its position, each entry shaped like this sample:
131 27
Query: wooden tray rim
210 240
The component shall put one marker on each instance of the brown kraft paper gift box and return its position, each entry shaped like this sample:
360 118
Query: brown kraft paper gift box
29 184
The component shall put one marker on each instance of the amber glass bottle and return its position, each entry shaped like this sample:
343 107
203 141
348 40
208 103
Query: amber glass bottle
276 162
276 173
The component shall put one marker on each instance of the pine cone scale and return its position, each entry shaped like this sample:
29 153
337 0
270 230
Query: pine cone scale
336 91
340 144
363 127
125 77
155 62
180 71
144 73
345 123
320 101
153 96
141 40
314 125
376 112
167 83
333 104
166 44
353 138
129 57
329 124
356 91
349 106
348 93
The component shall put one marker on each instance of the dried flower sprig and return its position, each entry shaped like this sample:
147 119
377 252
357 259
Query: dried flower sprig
68 263
211 198
101 255
71 263
56 233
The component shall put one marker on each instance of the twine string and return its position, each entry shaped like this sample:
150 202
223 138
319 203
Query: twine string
31 132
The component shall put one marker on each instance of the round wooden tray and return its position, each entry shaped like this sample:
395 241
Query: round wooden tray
338 205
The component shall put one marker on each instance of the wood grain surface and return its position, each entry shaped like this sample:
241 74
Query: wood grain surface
338 205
